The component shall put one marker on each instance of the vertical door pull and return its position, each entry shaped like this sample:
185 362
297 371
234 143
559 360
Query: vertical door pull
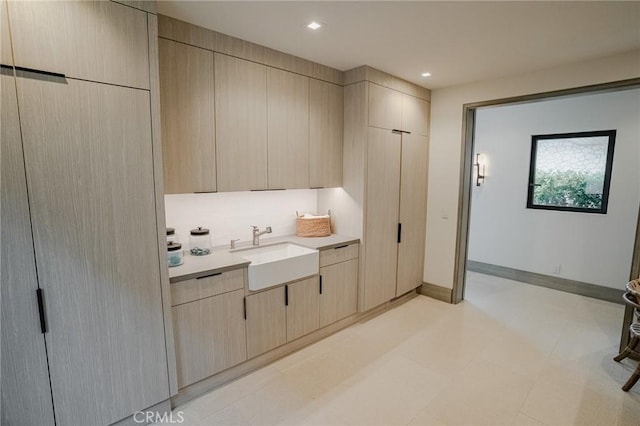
399 232
320 284
286 295
43 322
244 307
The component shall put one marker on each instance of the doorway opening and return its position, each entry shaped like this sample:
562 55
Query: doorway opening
476 172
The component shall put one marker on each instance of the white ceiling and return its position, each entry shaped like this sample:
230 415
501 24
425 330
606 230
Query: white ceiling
458 42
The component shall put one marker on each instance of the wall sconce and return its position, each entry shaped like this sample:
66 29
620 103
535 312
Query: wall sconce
479 170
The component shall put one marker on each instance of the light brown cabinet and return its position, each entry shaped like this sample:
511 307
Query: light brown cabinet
97 41
413 212
89 169
387 128
241 124
326 124
385 107
266 321
303 304
339 291
287 129
209 335
188 133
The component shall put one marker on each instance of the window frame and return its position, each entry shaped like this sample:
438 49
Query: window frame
611 134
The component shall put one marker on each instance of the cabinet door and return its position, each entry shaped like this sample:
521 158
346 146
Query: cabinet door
326 122
90 40
381 219
209 336
266 321
303 307
413 212
339 291
26 394
288 129
415 115
385 107
89 165
6 57
241 124
188 134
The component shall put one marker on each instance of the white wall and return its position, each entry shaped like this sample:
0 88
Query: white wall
446 142
592 248
229 215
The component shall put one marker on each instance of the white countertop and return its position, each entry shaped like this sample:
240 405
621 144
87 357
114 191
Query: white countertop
221 259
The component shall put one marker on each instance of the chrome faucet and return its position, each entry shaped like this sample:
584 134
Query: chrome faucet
257 232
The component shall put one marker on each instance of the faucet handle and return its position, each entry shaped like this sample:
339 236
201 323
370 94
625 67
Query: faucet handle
255 228
268 229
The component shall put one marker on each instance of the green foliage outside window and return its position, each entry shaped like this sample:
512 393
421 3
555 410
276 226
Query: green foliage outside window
568 188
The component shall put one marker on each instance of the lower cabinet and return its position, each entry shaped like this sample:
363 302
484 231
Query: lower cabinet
303 307
282 314
208 325
266 321
339 291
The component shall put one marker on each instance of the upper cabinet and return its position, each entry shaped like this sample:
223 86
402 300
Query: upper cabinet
415 115
288 129
326 123
97 41
385 107
241 124
188 133
235 120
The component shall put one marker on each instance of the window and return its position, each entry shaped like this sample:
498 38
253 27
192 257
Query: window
571 171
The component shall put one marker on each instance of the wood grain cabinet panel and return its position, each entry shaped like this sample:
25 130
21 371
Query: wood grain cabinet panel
339 297
415 115
413 212
303 307
326 123
338 254
26 394
288 129
266 321
385 107
89 166
209 336
188 134
6 57
381 216
199 288
90 40
241 124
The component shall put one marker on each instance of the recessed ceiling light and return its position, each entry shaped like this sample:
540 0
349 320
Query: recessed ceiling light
426 74
314 25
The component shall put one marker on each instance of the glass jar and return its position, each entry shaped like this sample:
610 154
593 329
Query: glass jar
199 241
175 256
171 235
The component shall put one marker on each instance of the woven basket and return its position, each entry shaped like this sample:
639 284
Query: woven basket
313 226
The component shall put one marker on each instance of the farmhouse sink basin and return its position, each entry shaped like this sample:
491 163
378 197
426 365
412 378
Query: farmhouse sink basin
279 263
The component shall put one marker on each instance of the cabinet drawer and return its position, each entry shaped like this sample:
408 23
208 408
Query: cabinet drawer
338 254
199 288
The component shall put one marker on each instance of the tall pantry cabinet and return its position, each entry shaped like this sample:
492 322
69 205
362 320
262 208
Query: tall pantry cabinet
385 171
84 288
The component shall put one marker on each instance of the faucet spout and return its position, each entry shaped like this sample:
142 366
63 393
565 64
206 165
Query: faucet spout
257 232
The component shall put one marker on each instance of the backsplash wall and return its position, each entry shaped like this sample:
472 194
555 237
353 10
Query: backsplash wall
229 215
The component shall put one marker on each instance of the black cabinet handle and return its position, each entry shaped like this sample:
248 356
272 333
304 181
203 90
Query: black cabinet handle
210 275
244 307
43 322
320 284
339 247
286 295
399 232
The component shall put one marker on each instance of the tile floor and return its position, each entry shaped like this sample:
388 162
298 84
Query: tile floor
511 354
